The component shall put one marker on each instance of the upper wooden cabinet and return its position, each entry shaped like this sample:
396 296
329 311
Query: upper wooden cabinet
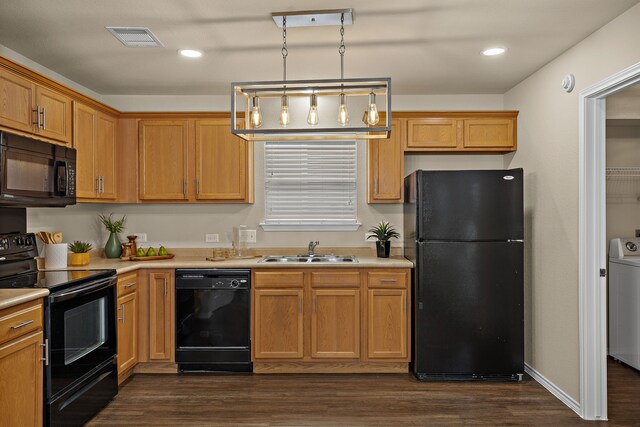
94 135
461 131
386 167
17 97
224 163
163 167
193 160
30 107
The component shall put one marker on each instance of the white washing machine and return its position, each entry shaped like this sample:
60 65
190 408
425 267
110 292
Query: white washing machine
624 300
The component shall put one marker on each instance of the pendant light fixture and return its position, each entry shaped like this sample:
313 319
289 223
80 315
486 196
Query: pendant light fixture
306 109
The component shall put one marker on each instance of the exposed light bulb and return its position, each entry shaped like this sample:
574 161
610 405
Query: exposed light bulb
372 113
255 117
312 118
284 111
343 115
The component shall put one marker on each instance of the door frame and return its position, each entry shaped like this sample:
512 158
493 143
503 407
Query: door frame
592 289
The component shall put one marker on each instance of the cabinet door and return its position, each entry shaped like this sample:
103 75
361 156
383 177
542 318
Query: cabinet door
163 159
222 162
386 167
17 97
84 130
105 155
21 381
431 133
489 133
278 325
55 110
161 316
335 323
387 324
127 331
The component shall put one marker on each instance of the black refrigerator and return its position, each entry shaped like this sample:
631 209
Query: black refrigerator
463 230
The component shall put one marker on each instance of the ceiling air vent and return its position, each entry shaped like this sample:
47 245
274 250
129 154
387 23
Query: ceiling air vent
135 36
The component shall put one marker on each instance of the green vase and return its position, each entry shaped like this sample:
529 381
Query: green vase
113 248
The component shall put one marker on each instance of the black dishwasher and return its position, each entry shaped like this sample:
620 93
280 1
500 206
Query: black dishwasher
213 320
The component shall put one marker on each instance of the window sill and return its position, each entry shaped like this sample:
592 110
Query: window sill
311 227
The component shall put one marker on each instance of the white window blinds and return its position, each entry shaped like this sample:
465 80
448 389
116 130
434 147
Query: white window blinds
310 185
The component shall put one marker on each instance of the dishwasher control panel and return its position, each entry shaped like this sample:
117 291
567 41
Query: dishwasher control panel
213 279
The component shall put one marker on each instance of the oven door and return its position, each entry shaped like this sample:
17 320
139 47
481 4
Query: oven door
82 332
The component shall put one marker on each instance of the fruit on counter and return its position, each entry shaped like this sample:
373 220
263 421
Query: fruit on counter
163 251
141 252
151 252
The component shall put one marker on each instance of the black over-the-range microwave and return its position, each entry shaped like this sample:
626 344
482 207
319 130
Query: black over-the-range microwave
35 173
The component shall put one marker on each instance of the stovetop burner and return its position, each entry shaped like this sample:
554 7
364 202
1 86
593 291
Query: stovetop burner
18 266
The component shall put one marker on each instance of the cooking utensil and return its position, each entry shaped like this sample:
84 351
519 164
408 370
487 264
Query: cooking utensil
57 237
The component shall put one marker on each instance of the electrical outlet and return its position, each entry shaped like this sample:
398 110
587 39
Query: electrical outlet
637 233
142 237
211 238
366 236
250 236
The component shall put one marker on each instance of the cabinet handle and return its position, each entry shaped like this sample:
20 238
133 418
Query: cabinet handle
165 287
300 304
197 186
122 310
388 280
375 186
44 118
404 308
314 304
101 184
37 122
45 359
128 285
184 186
20 325
97 185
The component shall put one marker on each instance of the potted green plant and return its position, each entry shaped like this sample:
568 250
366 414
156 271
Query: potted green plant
80 253
113 248
383 232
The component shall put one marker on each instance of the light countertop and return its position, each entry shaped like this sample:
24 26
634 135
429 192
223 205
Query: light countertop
12 297
201 262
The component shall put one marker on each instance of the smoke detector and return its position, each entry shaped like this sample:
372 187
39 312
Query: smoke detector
135 36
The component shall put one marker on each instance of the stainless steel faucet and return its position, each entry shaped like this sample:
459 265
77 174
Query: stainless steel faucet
312 246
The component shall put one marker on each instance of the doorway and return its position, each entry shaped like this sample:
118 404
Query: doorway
593 243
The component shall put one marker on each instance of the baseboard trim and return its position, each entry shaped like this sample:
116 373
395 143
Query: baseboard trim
554 389
329 368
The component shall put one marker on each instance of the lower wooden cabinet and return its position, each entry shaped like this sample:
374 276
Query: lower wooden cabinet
320 320
278 324
127 324
335 323
387 326
21 366
161 315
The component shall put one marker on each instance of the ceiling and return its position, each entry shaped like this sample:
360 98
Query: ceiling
425 46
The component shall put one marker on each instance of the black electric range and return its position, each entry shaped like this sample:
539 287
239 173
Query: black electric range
80 373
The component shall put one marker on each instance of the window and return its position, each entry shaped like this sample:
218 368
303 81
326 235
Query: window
310 185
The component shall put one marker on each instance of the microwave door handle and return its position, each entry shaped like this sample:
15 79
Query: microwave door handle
83 290
62 178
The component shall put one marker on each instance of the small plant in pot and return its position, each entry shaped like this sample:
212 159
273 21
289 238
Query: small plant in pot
80 253
113 248
384 233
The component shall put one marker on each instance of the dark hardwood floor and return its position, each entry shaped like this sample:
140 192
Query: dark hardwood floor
353 400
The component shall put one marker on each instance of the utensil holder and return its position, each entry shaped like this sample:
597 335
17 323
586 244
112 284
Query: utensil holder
55 255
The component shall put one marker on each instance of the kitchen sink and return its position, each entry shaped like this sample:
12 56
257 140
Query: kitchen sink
333 259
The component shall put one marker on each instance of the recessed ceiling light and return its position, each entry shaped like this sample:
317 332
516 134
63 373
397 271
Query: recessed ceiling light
190 53
493 51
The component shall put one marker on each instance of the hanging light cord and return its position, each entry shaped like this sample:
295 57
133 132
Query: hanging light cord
285 51
342 47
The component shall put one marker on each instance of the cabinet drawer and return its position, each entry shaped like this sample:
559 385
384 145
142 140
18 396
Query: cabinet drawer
278 279
335 279
19 320
127 283
387 279
431 133
483 133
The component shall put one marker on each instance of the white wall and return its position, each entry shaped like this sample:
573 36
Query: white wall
548 152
